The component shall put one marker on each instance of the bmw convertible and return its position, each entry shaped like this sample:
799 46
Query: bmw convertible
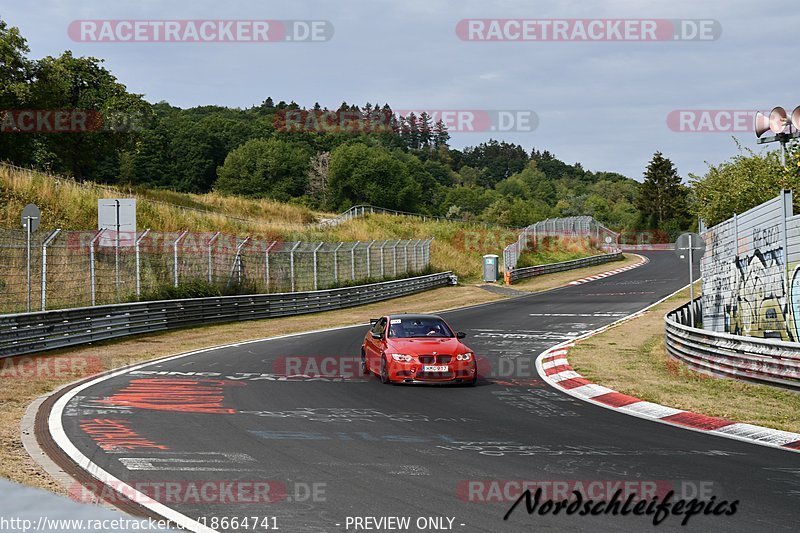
417 349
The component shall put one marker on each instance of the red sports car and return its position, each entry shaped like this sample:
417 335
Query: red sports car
417 348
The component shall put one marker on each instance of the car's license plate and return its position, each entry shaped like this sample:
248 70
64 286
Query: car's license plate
433 368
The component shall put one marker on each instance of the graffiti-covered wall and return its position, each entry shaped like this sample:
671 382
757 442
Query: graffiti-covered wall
748 287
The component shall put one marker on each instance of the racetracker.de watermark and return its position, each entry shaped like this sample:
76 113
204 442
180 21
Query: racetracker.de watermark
588 30
455 120
711 120
68 121
200 31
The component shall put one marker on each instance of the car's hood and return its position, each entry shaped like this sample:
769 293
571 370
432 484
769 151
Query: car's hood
422 345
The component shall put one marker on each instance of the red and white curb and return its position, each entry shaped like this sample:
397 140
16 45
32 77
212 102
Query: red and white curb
642 261
555 369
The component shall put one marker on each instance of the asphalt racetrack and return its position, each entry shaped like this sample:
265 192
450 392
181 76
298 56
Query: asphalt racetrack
336 446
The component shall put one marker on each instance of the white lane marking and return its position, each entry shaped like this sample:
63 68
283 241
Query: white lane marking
591 390
580 314
762 434
651 409
555 362
561 376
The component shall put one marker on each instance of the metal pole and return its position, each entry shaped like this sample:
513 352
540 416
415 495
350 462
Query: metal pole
44 266
92 275
691 281
116 254
405 257
369 269
238 259
28 241
315 264
336 263
175 255
137 252
394 258
266 262
382 267
209 247
353 260
291 263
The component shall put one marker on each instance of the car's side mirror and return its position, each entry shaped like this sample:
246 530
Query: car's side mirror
460 335
376 335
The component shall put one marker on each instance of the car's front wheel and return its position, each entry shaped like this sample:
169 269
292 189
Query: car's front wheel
364 368
384 371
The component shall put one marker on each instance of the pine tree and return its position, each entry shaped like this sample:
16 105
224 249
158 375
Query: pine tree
662 196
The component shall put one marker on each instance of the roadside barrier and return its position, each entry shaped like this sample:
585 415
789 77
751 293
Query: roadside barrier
529 272
27 333
766 361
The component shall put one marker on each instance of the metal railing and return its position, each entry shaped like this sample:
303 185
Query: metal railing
27 333
766 361
358 211
573 227
538 270
82 268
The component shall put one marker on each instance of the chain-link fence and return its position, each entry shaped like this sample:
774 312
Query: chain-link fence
84 268
571 227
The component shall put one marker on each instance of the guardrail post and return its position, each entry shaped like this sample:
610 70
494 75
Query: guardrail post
291 263
137 253
175 256
336 263
45 244
92 276
266 262
315 264
369 267
209 247
353 260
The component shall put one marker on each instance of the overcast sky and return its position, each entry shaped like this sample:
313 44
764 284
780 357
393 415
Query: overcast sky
604 104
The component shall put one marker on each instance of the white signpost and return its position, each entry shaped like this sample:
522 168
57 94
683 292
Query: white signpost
117 216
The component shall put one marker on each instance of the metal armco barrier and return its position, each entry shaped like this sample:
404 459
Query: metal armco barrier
28 333
529 272
766 361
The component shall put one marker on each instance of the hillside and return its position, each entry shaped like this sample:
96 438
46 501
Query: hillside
69 205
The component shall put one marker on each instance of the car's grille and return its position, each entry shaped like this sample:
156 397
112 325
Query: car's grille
440 359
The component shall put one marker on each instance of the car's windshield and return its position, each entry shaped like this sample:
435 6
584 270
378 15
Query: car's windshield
404 328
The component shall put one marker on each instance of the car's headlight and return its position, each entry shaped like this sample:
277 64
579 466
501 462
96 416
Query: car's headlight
403 358
464 356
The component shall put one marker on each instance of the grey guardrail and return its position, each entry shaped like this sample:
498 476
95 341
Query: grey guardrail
27 333
766 361
529 272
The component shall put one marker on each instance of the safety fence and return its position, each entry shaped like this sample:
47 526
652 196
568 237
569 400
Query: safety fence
27 333
766 361
751 272
358 211
530 272
84 268
571 227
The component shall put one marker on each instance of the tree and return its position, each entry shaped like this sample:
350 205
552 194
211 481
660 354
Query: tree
15 75
318 172
662 196
78 84
265 168
371 174
734 186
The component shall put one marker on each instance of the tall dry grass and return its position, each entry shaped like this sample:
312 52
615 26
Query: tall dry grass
69 205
